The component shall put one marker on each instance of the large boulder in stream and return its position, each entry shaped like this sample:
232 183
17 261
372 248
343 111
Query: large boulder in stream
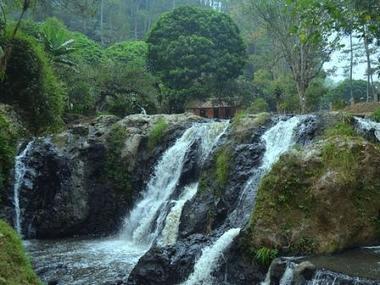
83 181
321 199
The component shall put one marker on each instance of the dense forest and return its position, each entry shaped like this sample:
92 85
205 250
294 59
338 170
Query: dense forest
194 142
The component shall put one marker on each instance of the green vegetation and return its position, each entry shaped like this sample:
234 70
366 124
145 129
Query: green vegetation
297 201
116 166
192 59
222 165
341 129
15 267
157 133
376 115
134 53
265 256
258 105
8 144
31 85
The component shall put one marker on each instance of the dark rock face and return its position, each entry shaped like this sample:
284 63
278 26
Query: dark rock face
66 190
170 265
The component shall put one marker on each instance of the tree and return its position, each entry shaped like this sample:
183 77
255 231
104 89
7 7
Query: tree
191 49
296 29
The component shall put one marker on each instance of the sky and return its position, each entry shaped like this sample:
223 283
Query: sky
339 60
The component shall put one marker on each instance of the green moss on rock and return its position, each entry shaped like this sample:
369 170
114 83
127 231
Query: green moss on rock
15 267
320 200
157 133
116 166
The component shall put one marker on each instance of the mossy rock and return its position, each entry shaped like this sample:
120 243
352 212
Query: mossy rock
323 199
15 267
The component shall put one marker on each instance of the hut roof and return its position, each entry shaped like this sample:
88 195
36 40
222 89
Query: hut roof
211 103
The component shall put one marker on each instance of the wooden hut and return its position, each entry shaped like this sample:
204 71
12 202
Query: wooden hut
213 108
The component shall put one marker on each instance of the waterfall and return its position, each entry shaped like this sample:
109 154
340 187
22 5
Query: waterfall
20 171
209 259
144 222
278 140
368 125
170 231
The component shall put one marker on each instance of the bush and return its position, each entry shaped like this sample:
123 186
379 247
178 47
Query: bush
376 115
157 133
259 105
31 85
222 167
265 256
132 52
15 267
8 142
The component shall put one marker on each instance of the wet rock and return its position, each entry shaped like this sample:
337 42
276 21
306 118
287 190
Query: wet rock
303 272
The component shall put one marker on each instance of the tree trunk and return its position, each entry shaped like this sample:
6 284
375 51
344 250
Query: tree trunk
101 21
352 99
368 55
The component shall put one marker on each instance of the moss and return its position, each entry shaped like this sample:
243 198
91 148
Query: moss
264 256
31 85
116 166
376 115
15 267
222 167
8 144
319 200
157 133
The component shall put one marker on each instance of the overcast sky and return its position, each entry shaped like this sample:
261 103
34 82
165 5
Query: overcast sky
340 59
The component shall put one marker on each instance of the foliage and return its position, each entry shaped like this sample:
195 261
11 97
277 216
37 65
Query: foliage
132 53
265 256
259 105
8 143
31 85
340 96
376 115
115 165
222 167
15 267
340 130
157 133
190 49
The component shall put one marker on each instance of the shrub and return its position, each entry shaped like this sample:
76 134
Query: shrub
132 52
8 142
116 166
157 133
15 267
222 167
376 115
259 105
31 85
265 256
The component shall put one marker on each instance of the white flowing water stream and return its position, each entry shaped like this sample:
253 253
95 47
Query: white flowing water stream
278 140
100 261
368 125
20 172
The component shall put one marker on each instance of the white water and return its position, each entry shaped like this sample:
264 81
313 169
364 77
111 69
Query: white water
143 224
170 231
278 140
20 171
369 125
209 259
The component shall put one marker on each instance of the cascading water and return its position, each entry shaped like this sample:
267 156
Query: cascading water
368 125
145 221
209 259
20 171
278 140
170 231
152 219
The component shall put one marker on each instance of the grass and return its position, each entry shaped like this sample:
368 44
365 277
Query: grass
341 129
15 267
376 115
222 167
265 256
157 133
